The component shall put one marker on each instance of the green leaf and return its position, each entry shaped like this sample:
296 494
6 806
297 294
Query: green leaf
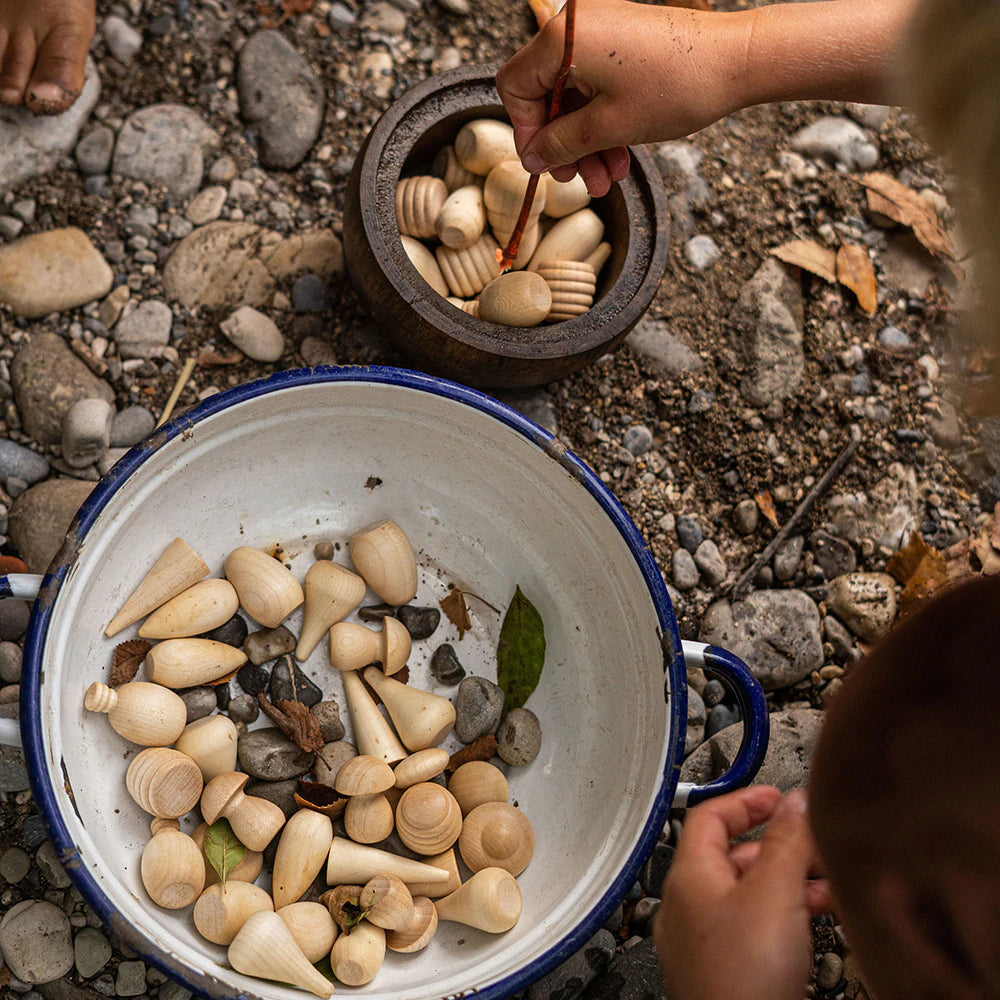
521 651
324 968
354 913
223 850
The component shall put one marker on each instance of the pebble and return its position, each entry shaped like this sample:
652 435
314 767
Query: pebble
643 914
341 16
893 337
638 439
689 532
271 756
36 941
93 151
243 708
833 555
375 612
144 329
255 334
478 707
10 662
445 665
633 974
200 702
838 139
787 557
330 724
385 18
331 758
252 678
91 952
281 793
40 518
710 563
746 517
223 695
831 970
206 205
22 463
130 426
701 252
701 401
653 340
14 865
13 774
419 622
865 602
232 632
10 227
573 976
310 294
50 866
377 74
720 717
86 432
131 979
684 570
289 683
713 693
860 384
122 39
695 732
268 644
519 738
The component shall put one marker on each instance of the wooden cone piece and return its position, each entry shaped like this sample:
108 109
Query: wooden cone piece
181 663
355 864
164 782
382 554
148 714
462 218
222 910
268 591
372 731
503 196
490 901
312 927
265 948
421 718
176 570
254 820
202 607
331 593
447 167
171 868
426 264
446 860
302 852
417 934
357 957
564 198
211 743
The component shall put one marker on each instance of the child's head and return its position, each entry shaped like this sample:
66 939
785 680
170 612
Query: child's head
905 802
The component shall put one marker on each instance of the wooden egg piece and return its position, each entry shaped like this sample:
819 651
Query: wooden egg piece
264 947
364 775
368 819
467 272
331 593
599 257
176 570
254 820
312 927
211 743
164 782
202 607
476 782
181 663
483 143
462 218
357 957
388 902
355 864
302 851
148 714
246 870
497 835
428 819
572 284
371 728
426 264
517 298
447 861
454 175
382 554
417 933
420 766
422 719
503 195
574 237
268 591
418 202
490 901
564 198
171 868
222 910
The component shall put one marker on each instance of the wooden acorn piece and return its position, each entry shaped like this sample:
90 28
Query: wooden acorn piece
372 731
564 198
467 272
454 175
312 927
353 646
302 851
331 592
417 933
357 957
421 718
518 298
172 869
211 743
247 870
268 591
428 819
572 284
350 864
483 143
426 264
449 862
176 570
202 607
462 218
148 714
388 902
338 899
265 948
503 195
418 202
368 819
497 835
254 820
222 910
382 554
476 782
181 663
490 901
573 238
164 782
420 766
364 775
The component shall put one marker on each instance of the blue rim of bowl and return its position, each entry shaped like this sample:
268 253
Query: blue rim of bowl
31 724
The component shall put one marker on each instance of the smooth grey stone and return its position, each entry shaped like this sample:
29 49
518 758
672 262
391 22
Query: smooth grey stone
14 864
710 563
341 16
695 731
887 513
713 693
91 952
787 557
122 39
331 758
833 555
130 426
93 152
839 637
653 340
131 979
50 866
836 139
40 518
568 980
252 679
519 738
643 914
330 725
281 793
174 991
632 975
376 612
860 384
34 831
232 632
223 696
701 401
689 532
638 439
243 708
14 617
830 972
746 517
268 644
445 665
720 717
683 569
701 252
21 462
893 337
144 330
10 227
478 708
86 432
865 602
310 294
271 756
419 622
289 683
36 941
200 701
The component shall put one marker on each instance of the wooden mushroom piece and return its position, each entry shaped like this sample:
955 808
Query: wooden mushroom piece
572 284
331 593
574 237
222 910
372 731
454 175
564 198
312 927
418 202
254 820
462 218
264 947
503 195
164 782
268 591
202 607
382 554
422 719
181 663
357 957
497 835
428 819
302 852
355 864
172 869
426 264
245 870
421 766
518 298
468 271
388 902
364 774
476 782
483 143
490 901
353 646
177 569
148 714
211 743
416 934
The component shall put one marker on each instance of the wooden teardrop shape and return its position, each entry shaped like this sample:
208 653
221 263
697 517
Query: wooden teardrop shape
312 927
357 957
164 782
497 835
355 864
302 851
415 935
564 198
331 592
503 195
428 819
476 782
171 868
426 264
483 143
573 238
372 731
247 870
449 862
176 570
382 554
462 218
202 607
421 766
268 591
265 948
211 743
364 775
422 719
517 298
254 820
148 714
221 911
490 901
181 663
599 257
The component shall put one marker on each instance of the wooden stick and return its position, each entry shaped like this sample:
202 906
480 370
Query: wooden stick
175 394
742 585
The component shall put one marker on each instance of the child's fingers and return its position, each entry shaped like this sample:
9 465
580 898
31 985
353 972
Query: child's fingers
787 849
525 83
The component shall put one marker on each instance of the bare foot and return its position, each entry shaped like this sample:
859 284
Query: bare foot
43 49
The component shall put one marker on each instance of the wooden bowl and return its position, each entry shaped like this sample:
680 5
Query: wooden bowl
435 336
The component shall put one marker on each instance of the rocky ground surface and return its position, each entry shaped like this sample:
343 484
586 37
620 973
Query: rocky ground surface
189 207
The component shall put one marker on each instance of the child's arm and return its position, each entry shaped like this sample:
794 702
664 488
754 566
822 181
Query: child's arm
734 920
647 73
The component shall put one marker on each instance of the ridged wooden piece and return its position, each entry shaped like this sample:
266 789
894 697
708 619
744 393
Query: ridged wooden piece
564 198
211 743
357 957
574 237
417 933
331 593
446 860
254 820
372 731
476 782
364 775
312 927
368 819
420 766
202 607
490 900
268 591
421 718
497 835
164 782
483 143
428 819
454 175
426 264
467 272
572 284
503 195
143 713
247 869
418 202
302 851
171 868
221 912
355 864
382 554
181 663
462 218
517 298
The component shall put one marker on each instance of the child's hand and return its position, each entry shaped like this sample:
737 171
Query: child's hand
734 920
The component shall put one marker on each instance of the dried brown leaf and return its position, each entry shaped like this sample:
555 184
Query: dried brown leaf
482 748
928 579
903 564
295 720
855 271
458 614
212 359
903 205
320 798
766 505
810 255
127 659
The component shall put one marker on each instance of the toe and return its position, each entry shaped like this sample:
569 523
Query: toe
15 71
58 74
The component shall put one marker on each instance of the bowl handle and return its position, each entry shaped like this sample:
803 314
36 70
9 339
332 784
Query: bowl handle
24 586
753 710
